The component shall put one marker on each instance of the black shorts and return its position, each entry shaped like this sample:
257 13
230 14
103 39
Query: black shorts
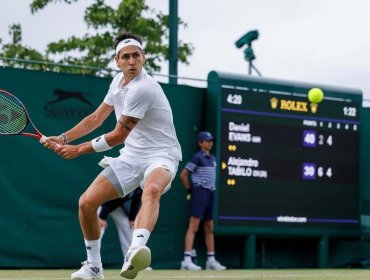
202 203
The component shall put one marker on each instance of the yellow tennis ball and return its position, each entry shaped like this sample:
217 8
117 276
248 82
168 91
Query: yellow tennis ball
315 95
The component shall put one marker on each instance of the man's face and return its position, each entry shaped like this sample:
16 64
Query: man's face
130 60
206 145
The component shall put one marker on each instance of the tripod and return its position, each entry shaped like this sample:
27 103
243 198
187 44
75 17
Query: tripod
249 56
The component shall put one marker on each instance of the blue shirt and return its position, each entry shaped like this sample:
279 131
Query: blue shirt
203 170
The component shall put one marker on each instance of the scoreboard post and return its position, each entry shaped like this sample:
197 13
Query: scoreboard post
286 166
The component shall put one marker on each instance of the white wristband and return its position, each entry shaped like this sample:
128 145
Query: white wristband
99 144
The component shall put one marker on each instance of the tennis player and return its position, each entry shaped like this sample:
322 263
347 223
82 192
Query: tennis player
149 158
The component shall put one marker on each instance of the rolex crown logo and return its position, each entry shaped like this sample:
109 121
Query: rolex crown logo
274 103
314 107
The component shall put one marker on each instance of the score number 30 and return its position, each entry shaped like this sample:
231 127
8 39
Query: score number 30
310 170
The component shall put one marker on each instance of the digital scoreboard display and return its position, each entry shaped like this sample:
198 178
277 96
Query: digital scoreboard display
286 163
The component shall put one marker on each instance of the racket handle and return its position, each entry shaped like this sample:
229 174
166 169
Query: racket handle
43 139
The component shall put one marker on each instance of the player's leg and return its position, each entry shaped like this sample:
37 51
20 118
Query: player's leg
209 237
187 263
154 185
197 208
157 179
191 232
208 202
99 191
211 263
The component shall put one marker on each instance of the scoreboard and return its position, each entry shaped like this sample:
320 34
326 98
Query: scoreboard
285 165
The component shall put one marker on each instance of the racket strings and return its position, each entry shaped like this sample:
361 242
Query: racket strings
13 117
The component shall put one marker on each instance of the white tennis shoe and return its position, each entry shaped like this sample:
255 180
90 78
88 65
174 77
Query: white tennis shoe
189 265
136 260
214 265
88 271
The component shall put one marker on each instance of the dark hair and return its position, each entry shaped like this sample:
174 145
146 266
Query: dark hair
124 36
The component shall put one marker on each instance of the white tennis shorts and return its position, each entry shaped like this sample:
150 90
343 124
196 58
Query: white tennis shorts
127 173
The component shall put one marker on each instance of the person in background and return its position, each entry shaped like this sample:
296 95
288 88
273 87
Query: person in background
123 211
201 185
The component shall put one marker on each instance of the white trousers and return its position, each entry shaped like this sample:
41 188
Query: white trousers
123 227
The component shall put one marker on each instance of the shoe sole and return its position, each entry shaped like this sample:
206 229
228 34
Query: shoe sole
93 278
139 261
87 277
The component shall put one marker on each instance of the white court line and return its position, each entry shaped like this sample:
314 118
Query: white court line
243 276
36 278
240 276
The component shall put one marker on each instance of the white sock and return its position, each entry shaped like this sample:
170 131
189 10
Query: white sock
93 251
140 237
211 256
187 256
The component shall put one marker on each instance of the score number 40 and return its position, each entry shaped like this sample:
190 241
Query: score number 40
311 139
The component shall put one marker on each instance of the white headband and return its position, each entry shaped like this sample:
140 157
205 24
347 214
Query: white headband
128 42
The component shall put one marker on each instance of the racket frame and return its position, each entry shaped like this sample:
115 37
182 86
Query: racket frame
38 135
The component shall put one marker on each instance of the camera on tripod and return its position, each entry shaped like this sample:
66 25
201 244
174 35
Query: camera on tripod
247 39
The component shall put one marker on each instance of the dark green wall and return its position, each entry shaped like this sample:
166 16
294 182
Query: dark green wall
39 191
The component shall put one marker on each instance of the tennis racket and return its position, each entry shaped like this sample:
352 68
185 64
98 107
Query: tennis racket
14 118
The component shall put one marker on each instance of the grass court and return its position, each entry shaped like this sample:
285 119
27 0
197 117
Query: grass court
250 274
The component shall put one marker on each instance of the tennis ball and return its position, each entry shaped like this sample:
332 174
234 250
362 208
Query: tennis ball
315 95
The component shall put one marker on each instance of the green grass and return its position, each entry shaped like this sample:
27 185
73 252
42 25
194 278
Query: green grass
250 274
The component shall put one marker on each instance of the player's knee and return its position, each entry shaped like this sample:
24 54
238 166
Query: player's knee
208 228
152 192
193 228
85 205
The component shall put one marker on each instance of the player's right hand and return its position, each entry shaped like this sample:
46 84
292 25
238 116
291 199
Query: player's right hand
51 142
48 140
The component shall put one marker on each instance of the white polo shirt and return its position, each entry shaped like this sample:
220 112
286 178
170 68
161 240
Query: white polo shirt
143 98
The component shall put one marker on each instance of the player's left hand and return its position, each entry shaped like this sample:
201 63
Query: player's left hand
67 151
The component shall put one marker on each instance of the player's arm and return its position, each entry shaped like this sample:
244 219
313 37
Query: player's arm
89 123
84 127
123 128
102 143
184 177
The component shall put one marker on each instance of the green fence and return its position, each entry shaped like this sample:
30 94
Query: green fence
39 191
